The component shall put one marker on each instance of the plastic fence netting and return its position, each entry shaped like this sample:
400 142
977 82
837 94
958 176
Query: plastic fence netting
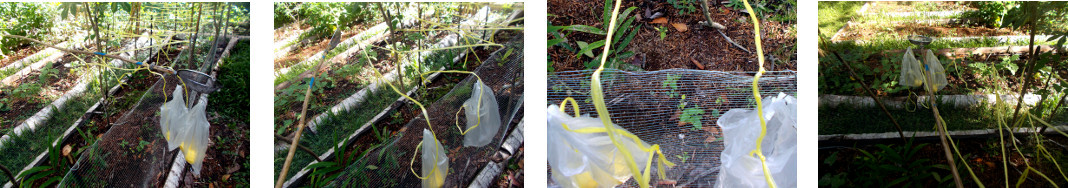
388 165
676 109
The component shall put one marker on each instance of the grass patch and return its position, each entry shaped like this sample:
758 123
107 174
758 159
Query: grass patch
19 151
335 126
834 14
232 100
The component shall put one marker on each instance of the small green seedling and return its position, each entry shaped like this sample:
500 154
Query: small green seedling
663 32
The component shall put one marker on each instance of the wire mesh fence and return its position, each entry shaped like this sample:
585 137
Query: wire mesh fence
674 108
391 165
133 153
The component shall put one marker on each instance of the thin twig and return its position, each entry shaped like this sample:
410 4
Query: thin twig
153 67
732 41
9 174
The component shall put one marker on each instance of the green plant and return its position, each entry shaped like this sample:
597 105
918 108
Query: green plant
33 20
833 180
758 6
503 58
988 13
684 156
684 6
621 37
31 177
141 145
663 31
233 97
693 115
672 81
901 161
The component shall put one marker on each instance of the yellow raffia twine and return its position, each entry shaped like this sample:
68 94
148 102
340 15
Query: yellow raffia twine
597 93
756 96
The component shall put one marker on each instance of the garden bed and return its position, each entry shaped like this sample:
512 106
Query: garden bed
901 30
466 161
345 79
917 6
18 55
285 33
35 91
697 48
293 57
342 80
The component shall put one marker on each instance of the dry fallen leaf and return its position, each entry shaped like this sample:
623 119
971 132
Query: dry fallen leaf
699 65
659 20
680 26
712 130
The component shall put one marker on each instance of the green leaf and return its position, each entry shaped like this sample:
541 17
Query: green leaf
585 29
623 25
553 42
587 49
372 167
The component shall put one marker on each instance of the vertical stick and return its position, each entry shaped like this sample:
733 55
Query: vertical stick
196 33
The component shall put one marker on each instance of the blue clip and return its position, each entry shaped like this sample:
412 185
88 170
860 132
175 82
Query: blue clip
99 53
312 83
926 68
138 63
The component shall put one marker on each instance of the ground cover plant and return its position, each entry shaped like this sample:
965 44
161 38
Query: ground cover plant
1022 148
105 59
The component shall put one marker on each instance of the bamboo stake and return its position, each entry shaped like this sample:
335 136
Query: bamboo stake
303 113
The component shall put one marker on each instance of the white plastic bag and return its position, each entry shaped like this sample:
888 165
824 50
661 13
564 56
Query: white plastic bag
741 128
936 75
195 137
170 118
910 70
435 162
587 159
482 113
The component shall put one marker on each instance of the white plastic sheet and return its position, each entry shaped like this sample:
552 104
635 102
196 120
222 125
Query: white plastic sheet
910 70
196 136
482 113
435 162
741 128
587 159
170 118
186 128
936 75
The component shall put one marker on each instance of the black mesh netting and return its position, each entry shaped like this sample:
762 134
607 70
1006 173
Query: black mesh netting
388 165
133 153
659 107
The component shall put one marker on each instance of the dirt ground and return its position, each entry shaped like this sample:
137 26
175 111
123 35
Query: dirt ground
18 55
695 48
913 6
938 30
296 56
